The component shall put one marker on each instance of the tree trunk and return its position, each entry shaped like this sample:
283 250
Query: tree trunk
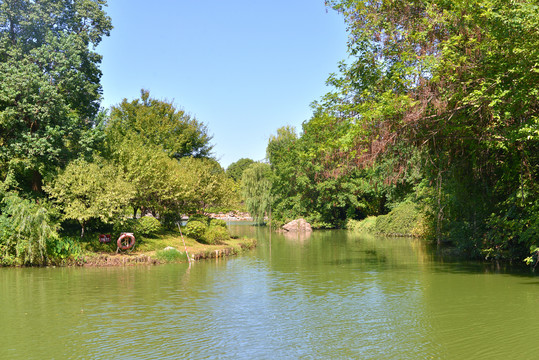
440 216
37 181
12 31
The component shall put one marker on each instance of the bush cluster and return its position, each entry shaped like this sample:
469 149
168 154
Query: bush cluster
210 231
216 235
218 222
201 218
169 219
404 220
195 230
148 226
127 225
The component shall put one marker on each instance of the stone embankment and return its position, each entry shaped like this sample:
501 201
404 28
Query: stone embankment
119 260
232 216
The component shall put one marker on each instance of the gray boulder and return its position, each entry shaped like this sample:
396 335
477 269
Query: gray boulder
299 225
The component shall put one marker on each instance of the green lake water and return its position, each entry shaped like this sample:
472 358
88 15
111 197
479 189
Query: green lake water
330 295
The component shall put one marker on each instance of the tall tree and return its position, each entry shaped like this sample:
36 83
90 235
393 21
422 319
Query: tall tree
204 184
158 122
49 82
283 154
152 172
96 190
456 79
236 169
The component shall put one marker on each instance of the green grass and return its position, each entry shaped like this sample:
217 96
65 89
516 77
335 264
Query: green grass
161 241
153 248
170 256
405 219
366 225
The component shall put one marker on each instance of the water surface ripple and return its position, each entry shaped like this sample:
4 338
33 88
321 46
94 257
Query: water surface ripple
331 295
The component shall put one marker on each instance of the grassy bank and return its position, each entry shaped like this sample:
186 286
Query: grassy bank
405 219
163 248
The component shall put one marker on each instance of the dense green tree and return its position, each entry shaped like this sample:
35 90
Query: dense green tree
49 83
282 153
204 184
159 123
318 180
457 80
85 191
156 145
437 105
256 183
152 173
236 169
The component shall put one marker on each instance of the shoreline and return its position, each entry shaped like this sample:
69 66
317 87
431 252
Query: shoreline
200 252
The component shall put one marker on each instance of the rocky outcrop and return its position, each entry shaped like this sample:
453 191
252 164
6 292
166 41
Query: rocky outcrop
299 225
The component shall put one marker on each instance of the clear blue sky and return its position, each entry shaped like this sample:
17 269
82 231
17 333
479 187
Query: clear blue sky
242 67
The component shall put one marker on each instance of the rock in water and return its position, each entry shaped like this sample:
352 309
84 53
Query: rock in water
298 225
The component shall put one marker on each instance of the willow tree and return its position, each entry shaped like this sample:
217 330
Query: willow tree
283 155
256 183
49 83
26 229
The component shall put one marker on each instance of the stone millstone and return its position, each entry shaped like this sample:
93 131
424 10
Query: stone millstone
297 226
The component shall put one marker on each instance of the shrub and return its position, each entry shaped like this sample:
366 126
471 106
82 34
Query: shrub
95 226
91 243
366 225
148 225
127 225
319 225
402 220
218 222
216 235
62 250
169 219
195 230
200 217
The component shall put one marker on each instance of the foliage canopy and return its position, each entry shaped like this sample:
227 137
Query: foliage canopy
159 123
49 83
438 105
87 191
